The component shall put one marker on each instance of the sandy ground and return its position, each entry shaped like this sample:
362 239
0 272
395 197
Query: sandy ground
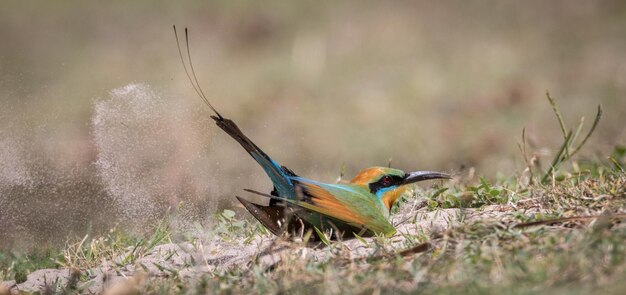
191 261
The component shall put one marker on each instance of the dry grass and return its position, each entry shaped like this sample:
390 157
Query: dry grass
481 256
496 245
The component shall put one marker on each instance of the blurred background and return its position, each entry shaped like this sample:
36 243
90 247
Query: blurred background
99 125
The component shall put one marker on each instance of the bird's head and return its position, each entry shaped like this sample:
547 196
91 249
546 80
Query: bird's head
388 184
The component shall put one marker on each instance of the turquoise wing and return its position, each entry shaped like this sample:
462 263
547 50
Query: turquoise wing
348 203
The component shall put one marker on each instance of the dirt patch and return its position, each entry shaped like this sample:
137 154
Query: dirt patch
189 261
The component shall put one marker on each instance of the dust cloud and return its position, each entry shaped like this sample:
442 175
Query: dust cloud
149 157
146 150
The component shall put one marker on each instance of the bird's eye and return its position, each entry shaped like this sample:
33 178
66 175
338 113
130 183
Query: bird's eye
386 180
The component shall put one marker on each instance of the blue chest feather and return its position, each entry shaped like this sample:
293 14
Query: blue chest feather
381 192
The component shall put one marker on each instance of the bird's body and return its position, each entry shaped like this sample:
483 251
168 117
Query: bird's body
298 205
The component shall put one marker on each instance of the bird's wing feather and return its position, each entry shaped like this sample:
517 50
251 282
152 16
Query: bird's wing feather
343 202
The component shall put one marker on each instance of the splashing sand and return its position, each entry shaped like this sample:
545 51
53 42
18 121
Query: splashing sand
13 168
146 153
141 146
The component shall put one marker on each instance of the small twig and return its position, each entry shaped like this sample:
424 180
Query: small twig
423 247
564 219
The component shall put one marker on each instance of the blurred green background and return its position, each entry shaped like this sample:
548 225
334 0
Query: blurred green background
441 85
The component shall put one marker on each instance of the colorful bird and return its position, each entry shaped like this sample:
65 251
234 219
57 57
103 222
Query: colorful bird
298 205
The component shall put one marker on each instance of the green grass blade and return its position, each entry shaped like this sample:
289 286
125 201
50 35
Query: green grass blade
558 159
557 113
322 236
593 128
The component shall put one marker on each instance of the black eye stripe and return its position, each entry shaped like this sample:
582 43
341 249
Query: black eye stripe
390 179
385 181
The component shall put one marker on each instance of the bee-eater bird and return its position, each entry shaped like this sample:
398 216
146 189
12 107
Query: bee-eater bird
298 205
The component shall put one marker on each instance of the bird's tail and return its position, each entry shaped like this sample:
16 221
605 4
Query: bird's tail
278 175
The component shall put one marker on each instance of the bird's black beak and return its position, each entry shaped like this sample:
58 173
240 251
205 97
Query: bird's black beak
416 176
